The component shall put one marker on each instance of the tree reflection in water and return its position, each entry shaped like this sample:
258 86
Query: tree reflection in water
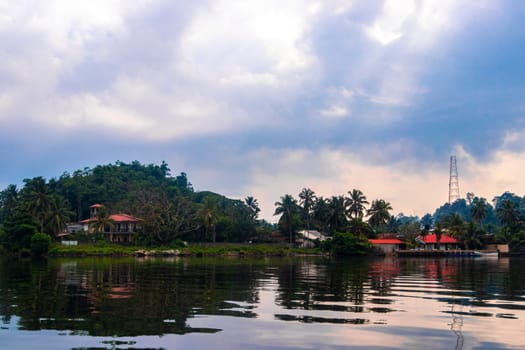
140 297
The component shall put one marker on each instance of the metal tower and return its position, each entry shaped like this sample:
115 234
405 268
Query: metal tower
453 183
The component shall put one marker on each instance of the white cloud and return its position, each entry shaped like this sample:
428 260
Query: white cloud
217 67
389 26
256 39
335 112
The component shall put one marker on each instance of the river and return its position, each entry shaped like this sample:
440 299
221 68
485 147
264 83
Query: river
273 303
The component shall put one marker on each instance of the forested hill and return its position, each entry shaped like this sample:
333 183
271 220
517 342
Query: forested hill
169 206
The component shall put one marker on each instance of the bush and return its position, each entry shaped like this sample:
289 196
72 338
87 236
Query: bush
347 244
40 243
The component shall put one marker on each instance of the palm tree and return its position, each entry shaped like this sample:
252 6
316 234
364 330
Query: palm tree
38 200
337 213
59 214
8 202
508 213
358 227
253 207
479 210
379 213
288 209
103 221
356 203
307 201
321 212
438 231
208 214
471 237
456 225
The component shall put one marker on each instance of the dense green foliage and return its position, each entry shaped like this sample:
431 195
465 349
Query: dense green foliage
474 222
40 243
347 244
171 209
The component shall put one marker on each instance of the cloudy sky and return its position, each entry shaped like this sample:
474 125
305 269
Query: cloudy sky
266 97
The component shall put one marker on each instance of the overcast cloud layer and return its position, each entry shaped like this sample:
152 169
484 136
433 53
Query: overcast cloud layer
266 97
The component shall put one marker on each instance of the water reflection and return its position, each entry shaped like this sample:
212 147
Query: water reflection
381 302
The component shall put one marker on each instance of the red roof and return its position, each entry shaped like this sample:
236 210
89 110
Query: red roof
385 241
96 206
115 218
432 239
124 218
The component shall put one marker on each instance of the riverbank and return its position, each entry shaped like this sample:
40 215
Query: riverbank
225 249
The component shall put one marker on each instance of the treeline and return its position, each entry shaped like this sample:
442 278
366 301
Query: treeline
173 211
473 221
169 206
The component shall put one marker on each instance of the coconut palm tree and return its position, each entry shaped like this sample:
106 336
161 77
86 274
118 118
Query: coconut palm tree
321 212
37 197
103 221
438 231
307 199
253 207
471 237
479 210
9 200
208 215
378 213
59 215
337 213
455 225
288 209
508 213
356 203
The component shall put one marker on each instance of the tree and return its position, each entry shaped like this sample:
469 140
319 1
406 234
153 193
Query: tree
253 207
438 231
40 243
479 210
426 222
288 209
336 213
8 202
455 225
321 213
359 227
514 240
508 213
348 244
356 203
102 222
59 215
208 215
379 213
37 198
471 237
307 197
409 230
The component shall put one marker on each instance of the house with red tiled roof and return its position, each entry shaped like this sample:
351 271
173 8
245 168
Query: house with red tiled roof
119 228
386 246
430 242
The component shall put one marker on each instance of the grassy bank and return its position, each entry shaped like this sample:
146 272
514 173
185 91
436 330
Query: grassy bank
227 249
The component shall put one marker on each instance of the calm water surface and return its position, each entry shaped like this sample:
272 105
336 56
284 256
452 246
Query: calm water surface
299 303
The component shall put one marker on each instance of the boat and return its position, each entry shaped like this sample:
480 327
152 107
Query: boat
486 254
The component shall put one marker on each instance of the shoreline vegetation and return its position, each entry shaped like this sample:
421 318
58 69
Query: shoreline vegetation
198 250
122 208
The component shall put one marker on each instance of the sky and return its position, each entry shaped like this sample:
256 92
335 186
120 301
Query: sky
264 98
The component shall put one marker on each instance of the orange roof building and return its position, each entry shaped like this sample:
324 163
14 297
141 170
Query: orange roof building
118 228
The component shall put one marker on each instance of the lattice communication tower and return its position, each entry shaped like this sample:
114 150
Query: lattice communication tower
453 183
